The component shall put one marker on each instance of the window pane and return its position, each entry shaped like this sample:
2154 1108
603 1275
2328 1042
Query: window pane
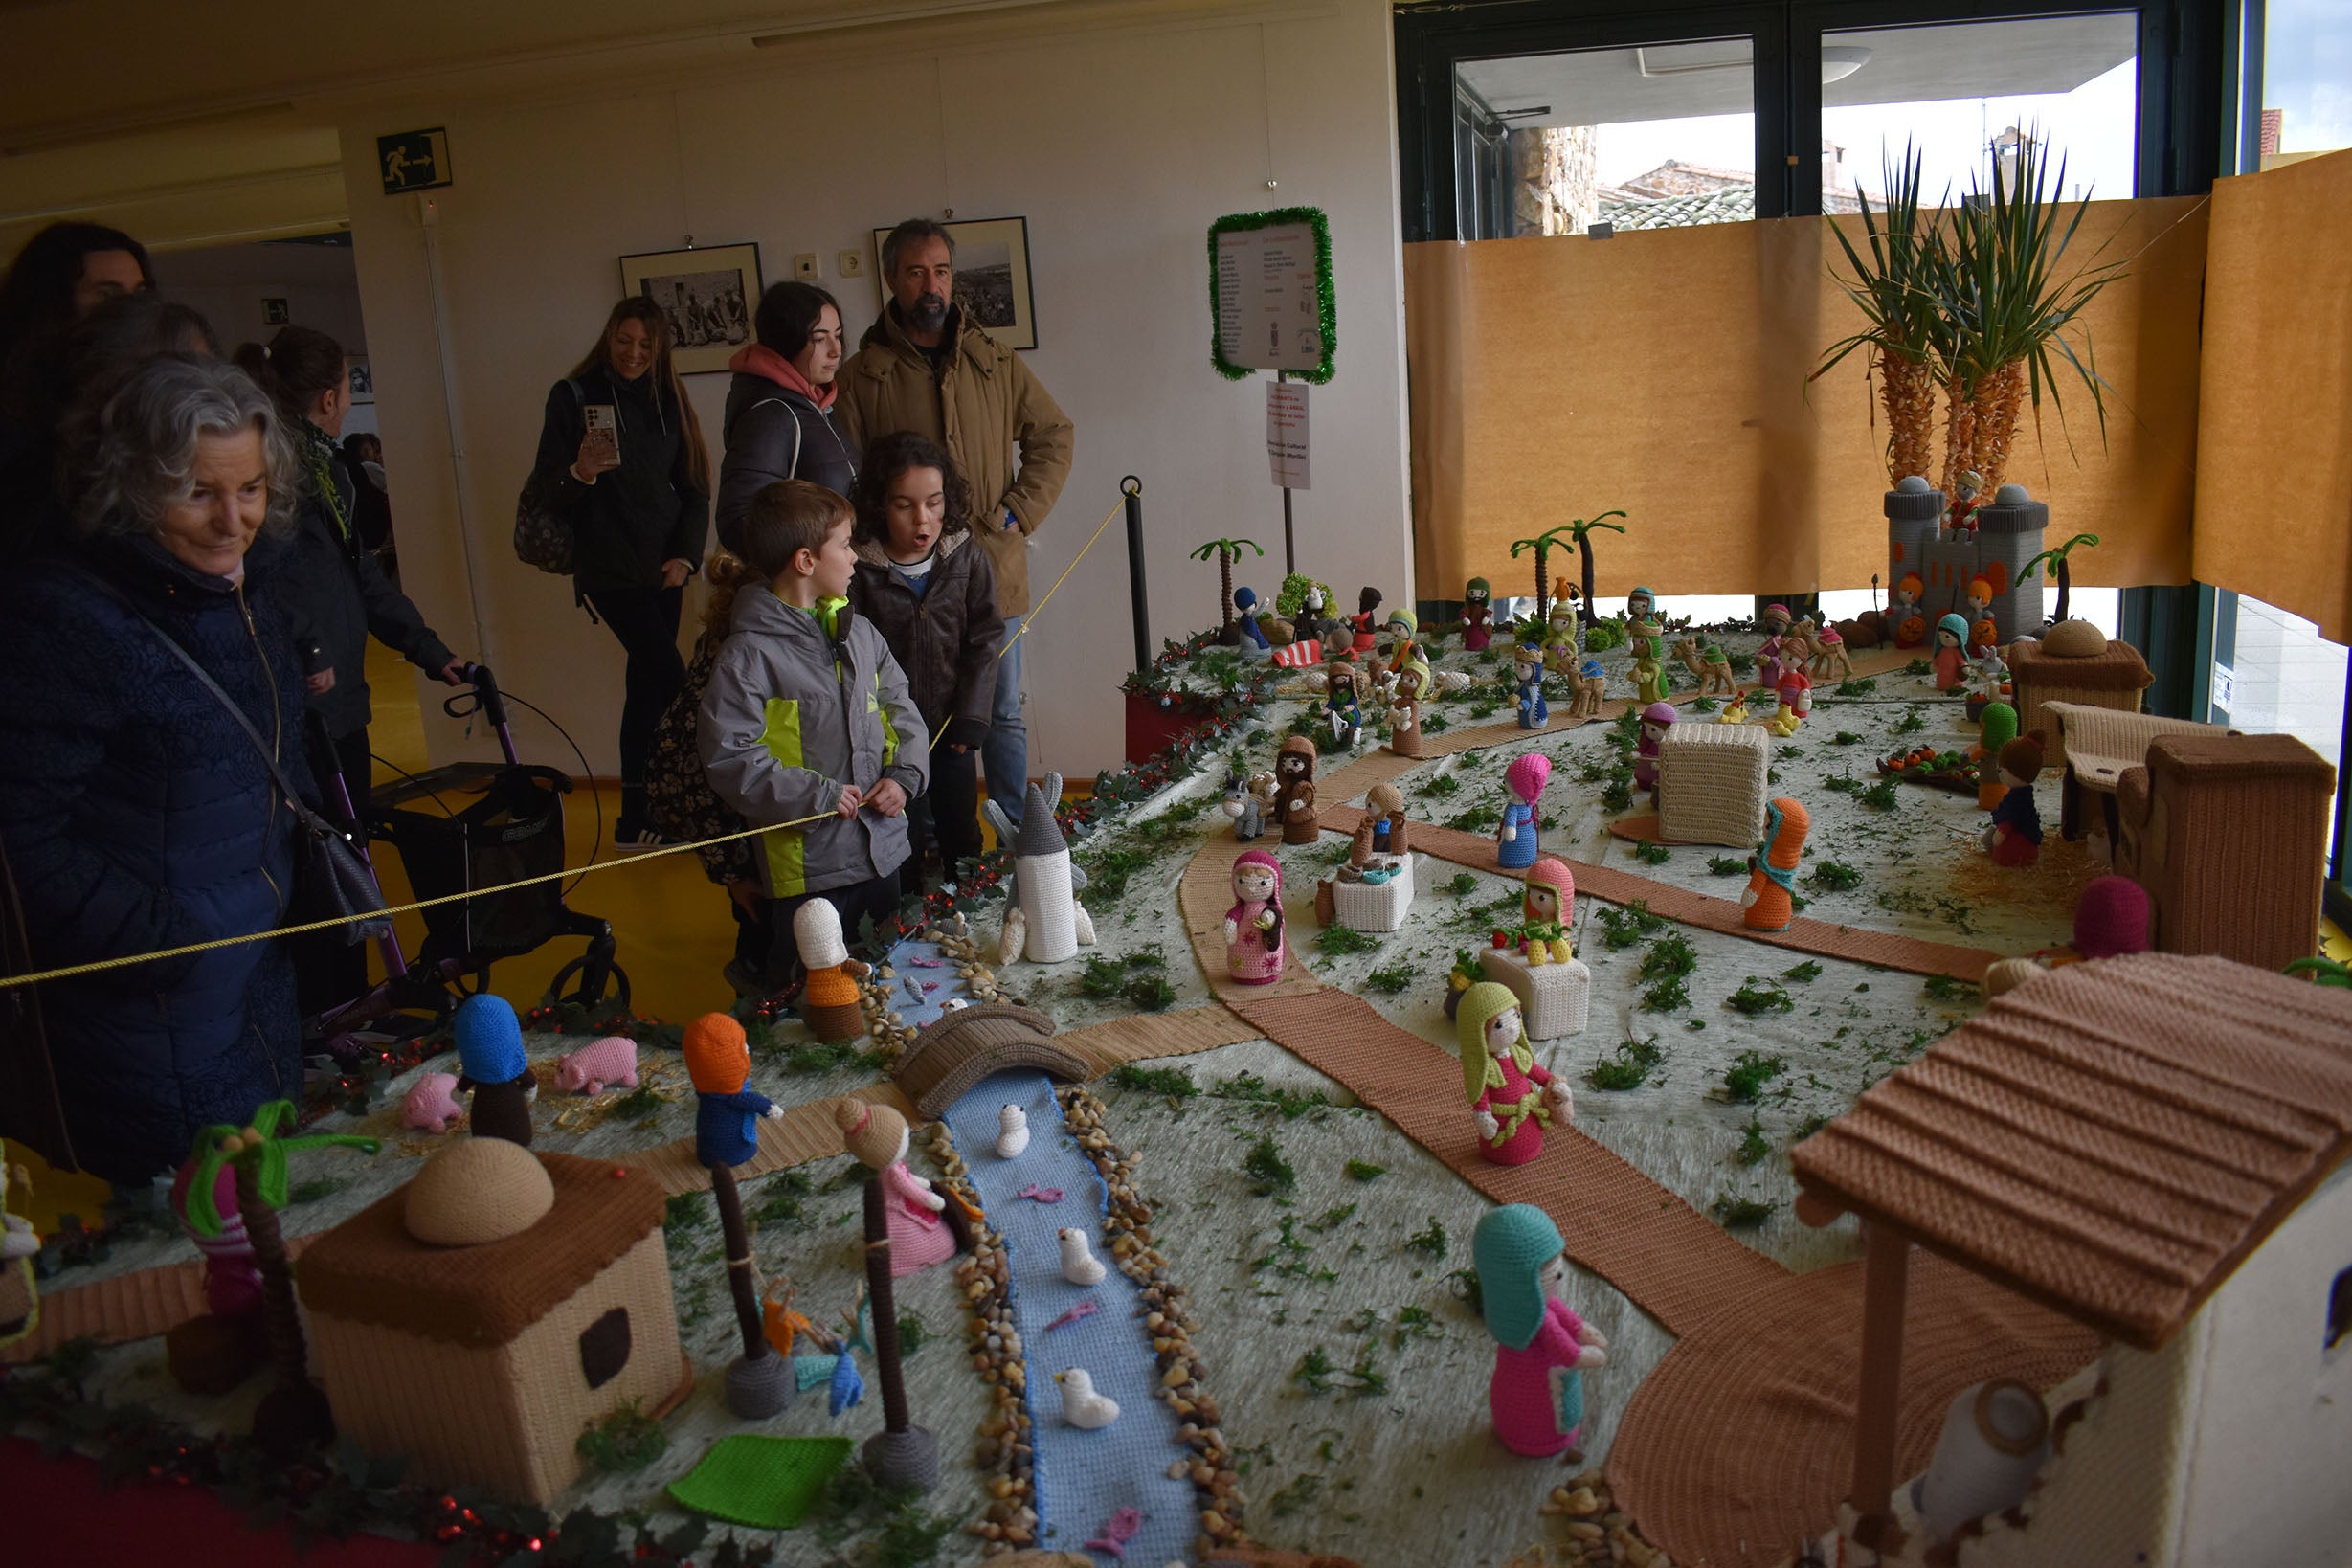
1653 137
2278 676
2306 80
1959 94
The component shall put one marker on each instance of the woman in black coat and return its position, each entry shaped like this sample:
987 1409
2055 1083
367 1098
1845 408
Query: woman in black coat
639 500
137 814
779 419
338 596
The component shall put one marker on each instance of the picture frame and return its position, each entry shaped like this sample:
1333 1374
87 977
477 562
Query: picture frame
710 293
363 381
992 276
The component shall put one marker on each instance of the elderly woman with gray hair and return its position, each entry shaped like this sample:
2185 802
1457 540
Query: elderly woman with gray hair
137 814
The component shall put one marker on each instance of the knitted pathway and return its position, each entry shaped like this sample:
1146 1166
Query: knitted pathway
1667 1259
1082 1477
1886 948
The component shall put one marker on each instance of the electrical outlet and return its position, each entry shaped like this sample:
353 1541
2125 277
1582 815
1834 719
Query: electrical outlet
853 263
804 267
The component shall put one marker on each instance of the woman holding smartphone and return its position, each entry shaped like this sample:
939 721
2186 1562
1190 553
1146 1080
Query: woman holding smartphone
621 452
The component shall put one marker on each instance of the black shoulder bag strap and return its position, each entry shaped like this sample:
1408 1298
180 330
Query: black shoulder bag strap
335 881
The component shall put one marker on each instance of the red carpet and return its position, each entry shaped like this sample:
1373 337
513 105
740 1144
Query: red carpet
58 1515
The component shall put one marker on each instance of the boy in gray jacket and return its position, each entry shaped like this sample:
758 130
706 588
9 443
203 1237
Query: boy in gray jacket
807 713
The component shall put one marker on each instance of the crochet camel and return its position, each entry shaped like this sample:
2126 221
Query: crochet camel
1712 669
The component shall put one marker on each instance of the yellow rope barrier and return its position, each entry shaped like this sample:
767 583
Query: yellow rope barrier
71 970
99 966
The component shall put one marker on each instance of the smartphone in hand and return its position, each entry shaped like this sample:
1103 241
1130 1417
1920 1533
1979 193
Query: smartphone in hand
603 440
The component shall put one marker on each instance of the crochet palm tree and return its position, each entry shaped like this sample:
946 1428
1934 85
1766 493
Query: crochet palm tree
2054 560
1227 551
294 1413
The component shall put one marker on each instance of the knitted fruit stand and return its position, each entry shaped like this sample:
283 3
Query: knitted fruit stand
1555 999
484 1355
1711 784
1372 906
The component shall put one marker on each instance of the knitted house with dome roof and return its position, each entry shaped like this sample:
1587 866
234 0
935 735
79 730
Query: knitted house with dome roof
478 1319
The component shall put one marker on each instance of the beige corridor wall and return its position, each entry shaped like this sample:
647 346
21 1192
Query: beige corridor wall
1663 371
1120 143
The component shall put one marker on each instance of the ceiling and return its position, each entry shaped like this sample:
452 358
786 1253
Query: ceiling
1907 65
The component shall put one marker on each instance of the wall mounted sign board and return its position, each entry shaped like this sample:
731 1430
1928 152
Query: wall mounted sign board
416 160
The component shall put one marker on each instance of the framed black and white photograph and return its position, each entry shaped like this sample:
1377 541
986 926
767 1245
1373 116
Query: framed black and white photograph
363 381
992 276
708 293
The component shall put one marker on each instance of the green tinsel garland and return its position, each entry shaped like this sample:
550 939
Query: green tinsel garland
1328 308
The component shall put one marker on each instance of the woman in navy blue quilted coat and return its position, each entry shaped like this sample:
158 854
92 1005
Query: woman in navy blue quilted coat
136 814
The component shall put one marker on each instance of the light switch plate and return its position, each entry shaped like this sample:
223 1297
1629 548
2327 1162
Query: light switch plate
853 263
804 267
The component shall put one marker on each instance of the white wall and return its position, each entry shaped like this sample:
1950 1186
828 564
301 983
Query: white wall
1119 143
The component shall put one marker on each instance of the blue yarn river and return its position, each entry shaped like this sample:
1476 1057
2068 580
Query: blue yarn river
1081 1477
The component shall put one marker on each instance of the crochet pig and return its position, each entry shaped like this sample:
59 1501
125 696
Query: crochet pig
432 1105
611 1060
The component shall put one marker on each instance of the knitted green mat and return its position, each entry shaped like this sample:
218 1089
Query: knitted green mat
767 1483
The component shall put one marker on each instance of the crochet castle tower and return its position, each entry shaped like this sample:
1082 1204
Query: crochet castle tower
2003 535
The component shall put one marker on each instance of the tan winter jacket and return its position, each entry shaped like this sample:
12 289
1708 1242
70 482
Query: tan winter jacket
983 404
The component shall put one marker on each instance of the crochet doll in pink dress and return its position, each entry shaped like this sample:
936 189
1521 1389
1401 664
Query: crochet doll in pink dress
1253 925
919 1238
1511 1095
1541 1346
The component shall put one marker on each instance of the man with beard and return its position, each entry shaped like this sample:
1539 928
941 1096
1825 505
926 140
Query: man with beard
926 365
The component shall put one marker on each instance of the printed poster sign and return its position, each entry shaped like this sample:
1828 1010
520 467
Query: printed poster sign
1269 294
1286 433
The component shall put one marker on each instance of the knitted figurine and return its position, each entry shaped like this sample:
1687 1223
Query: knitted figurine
829 1003
1245 806
759 1383
1527 671
1998 727
1979 613
1541 1345
1342 714
1592 686
1829 656
1295 797
1383 829
1548 908
2014 836
1951 651
213 1352
1043 921
1253 925
878 1137
1560 650
1796 694
1735 710
1404 631
1770 900
1516 841
1903 612
490 1052
905 1232
1367 600
1649 673
20 1294
1775 622
1656 719
1640 604
1404 711
1477 615
1245 600
2111 919
1511 1095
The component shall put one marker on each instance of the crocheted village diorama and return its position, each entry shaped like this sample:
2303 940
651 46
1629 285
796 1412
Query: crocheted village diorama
1568 1089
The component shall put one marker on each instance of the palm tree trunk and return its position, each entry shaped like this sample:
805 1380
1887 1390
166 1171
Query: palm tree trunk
1543 597
1584 544
294 1413
737 1237
1225 632
1959 436
2063 586
1907 389
884 1299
